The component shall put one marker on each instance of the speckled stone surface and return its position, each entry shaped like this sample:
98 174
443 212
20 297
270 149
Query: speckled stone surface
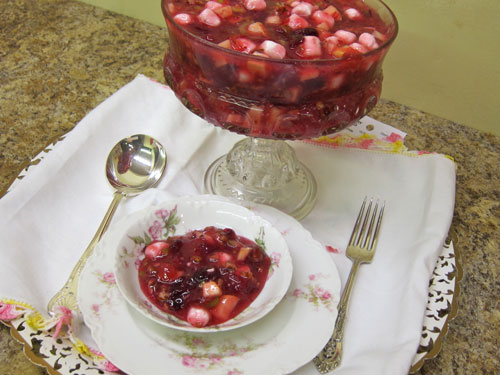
59 59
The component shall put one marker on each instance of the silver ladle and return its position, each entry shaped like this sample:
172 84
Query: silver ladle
134 164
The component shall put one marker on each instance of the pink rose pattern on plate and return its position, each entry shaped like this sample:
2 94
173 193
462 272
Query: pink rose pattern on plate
313 293
204 355
159 229
155 230
107 279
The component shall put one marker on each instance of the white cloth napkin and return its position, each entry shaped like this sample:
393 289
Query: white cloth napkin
48 218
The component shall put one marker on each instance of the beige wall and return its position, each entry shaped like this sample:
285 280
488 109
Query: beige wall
445 61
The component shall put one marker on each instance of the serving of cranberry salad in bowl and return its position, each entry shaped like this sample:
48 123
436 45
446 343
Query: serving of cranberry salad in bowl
202 266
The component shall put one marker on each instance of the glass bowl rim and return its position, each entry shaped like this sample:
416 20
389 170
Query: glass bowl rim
382 46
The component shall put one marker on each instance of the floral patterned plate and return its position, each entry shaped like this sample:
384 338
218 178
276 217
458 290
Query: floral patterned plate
285 339
179 217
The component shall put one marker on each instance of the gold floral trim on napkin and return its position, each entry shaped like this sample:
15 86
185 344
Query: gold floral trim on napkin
52 343
393 143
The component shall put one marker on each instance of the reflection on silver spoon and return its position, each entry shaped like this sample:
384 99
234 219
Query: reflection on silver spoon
134 164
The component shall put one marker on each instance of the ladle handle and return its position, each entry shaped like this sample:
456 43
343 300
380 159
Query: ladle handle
67 296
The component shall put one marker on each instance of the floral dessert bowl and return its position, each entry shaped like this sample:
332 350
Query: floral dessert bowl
174 265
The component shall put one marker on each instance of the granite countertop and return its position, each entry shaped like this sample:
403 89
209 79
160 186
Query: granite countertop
60 58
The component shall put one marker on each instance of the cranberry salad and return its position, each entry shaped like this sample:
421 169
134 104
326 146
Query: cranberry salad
293 29
278 69
204 277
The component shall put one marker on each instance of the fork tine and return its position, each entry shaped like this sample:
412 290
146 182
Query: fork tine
355 231
369 232
377 227
363 234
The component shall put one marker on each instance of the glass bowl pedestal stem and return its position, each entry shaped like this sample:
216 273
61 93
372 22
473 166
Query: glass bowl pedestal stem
264 171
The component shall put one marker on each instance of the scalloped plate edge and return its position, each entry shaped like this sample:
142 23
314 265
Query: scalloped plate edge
452 240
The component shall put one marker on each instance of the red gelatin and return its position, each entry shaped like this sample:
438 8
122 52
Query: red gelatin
204 277
271 71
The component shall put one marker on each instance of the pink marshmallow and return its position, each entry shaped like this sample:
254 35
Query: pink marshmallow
155 249
183 18
311 46
303 9
244 45
255 4
346 36
198 316
352 14
297 22
358 47
208 17
368 40
273 49
213 5
320 17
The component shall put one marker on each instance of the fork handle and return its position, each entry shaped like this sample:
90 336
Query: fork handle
331 355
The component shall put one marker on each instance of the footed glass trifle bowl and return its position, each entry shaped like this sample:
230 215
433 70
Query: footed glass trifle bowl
275 70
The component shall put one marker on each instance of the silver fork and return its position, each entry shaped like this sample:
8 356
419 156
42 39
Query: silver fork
360 250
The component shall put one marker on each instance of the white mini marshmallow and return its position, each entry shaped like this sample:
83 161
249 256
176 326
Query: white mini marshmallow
320 17
255 4
244 45
352 14
198 316
208 17
272 49
368 40
358 47
311 46
297 22
183 18
303 9
213 5
345 36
